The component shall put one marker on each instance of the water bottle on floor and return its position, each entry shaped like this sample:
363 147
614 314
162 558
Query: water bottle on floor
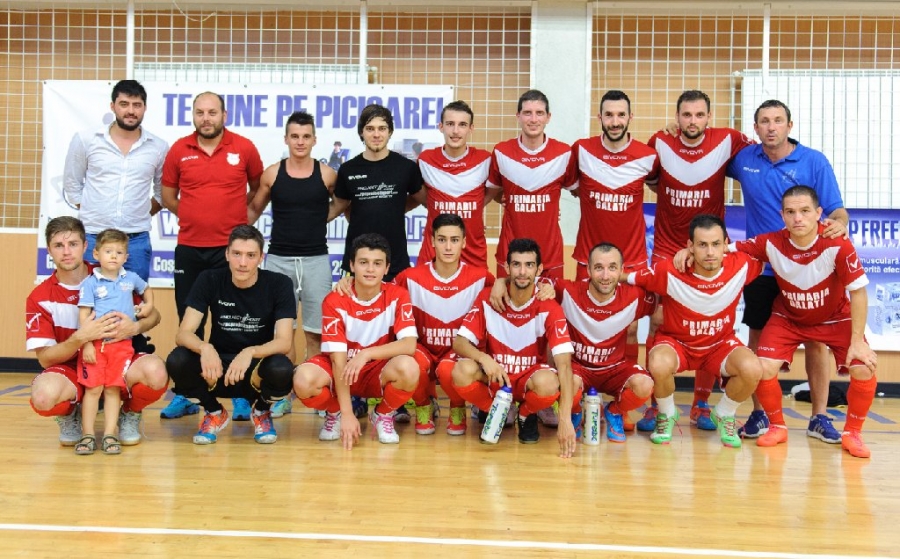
496 418
591 407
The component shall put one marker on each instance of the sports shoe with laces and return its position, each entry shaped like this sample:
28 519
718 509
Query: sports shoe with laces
820 427
700 417
852 442
615 430
331 429
241 410
179 407
130 428
457 423
757 424
549 417
401 414
662 434
425 419
528 429
212 423
647 423
776 435
727 427
263 430
69 427
383 424
282 407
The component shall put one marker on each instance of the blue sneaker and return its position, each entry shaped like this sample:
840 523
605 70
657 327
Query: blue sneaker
576 421
241 411
647 424
756 426
820 427
360 406
282 407
700 416
264 431
615 427
179 407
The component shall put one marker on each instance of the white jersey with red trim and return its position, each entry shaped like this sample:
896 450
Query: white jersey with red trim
598 330
699 311
440 304
531 183
349 325
611 196
691 181
812 281
518 338
456 186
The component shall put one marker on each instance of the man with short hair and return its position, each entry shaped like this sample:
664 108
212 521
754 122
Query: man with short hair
252 314
53 333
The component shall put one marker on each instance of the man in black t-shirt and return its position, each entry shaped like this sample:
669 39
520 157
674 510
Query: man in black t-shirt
376 185
252 313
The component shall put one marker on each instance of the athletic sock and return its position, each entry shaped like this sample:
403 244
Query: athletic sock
727 407
444 373
626 402
421 395
769 394
476 393
393 398
703 385
534 403
324 400
667 405
141 397
859 399
62 408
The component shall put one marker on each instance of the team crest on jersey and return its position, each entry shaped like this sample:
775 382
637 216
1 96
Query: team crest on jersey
32 322
406 311
562 328
470 316
853 262
102 292
330 325
233 158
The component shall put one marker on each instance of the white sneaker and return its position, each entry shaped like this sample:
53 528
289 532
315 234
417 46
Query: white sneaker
69 427
331 429
549 417
384 427
130 428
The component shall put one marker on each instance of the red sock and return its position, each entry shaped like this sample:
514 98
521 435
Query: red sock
445 377
62 408
626 402
534 403
142 396
324 400
576 401
703 385
476 393
769 394
859 399
422 395
393 398
632 351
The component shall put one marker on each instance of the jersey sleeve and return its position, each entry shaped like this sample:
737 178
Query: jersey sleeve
201 292
495 179
570 179
754 247
285 303
171 172
86 293
650 279
334 329
849 269
415 179
646 304
474 324
557 330
341 188
826 186
754 266
404 319
38 326
739 141
255 166
653 177
139 284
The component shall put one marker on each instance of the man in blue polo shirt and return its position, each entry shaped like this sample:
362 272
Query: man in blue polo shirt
765 171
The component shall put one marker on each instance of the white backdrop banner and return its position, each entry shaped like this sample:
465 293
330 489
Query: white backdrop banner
257 111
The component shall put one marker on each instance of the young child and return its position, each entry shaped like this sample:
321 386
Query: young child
109 289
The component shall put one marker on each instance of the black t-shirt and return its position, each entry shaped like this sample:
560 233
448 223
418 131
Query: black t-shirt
242 317
377 191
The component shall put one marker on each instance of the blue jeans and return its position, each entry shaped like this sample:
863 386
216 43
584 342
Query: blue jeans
139 253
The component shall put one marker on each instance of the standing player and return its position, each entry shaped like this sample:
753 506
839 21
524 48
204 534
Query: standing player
515 344
814 274
766 171
599 311
698 327
455 176
368 341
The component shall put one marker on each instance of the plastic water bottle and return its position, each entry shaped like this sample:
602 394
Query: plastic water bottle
591 407
496 418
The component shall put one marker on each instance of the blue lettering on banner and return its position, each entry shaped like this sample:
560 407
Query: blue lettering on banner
167 224
285 105
875 232
177 106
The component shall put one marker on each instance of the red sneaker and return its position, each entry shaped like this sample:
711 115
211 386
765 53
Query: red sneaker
776 435
852 442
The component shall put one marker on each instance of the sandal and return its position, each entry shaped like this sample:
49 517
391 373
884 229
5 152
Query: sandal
111 445
85 445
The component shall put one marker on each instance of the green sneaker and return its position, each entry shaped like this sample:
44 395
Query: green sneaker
727 428
664 426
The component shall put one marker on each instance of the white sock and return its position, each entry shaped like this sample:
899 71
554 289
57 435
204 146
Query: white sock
666 405
727 407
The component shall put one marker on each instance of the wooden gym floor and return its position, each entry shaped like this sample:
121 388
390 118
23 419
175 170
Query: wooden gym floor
440 496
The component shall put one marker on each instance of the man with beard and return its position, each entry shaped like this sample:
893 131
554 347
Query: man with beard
205 183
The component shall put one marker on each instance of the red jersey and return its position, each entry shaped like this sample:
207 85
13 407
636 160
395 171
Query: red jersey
531 183
517 338
598 330
440 304
699 312
212 189
812 281
349 325
691 181
456 186
51 315
611 196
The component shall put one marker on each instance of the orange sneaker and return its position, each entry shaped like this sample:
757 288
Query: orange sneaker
852 442
776 435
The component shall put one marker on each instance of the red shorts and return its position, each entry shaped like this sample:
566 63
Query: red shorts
780 337
426 358
581 270
367 385
113 360
710 359
519 380
68 372
610 380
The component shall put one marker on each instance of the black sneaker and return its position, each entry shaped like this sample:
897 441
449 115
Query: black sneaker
528 429
482 417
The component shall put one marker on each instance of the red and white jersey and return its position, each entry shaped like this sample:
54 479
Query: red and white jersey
349 325
699 312
532 182
51 315
611 196
691 181
812 281
598 330
440 304
518 338
456 186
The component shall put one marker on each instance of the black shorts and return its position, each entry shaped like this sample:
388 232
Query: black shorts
758 298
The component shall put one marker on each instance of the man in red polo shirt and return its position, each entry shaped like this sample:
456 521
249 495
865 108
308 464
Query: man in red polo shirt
205 183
